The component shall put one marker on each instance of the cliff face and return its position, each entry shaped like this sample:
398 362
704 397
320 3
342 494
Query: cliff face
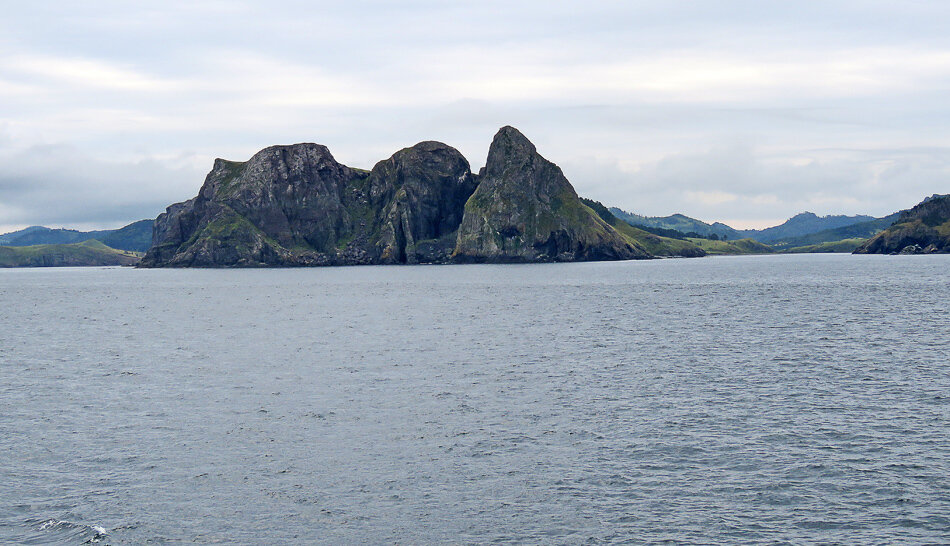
525 210
924 229
297 206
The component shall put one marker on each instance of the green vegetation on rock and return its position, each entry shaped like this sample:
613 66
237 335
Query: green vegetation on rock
525 210
924 229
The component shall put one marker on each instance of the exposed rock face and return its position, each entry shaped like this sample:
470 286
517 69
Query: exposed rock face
412 203
297 206
525 210
924 229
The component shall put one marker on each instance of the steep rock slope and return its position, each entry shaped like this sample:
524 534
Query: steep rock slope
922 229
296 205
525 210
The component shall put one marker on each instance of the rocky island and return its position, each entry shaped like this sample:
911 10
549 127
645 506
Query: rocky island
297 206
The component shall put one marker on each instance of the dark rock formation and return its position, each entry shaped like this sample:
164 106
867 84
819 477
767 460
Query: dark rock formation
297 206
924 229
525 210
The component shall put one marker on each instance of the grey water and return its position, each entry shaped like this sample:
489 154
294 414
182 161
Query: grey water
768 399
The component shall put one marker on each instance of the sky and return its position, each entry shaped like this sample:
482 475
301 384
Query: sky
745 112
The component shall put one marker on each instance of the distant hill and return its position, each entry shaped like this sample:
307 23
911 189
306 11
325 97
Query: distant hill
740 246
679 222
804 224
87 253
923 229
136 236
861 230
7 237
656 245
802 229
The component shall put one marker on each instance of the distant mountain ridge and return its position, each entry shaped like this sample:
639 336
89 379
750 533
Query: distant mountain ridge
136 237
861 230
679 222
798 230
803 224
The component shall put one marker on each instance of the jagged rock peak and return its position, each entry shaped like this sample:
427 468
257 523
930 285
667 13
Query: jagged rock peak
525 210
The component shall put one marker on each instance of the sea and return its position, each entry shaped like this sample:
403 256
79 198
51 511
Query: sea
787 399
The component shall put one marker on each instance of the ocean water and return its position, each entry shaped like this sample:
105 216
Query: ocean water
768 399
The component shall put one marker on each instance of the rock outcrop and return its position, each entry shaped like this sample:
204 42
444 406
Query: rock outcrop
525 210
297 206
924 229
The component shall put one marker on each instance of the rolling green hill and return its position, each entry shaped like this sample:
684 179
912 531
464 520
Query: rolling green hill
861 230
76 254
722 248
678 222
136 236
844 245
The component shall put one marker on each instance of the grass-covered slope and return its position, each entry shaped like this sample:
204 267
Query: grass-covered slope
861 230
654 244
87 253
136 236
844 245
678 222
742 246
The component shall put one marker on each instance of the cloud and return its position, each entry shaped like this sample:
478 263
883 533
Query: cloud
84 73
736 109
59 186
750 188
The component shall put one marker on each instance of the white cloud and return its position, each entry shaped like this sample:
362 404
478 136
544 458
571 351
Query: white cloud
85 73
716 109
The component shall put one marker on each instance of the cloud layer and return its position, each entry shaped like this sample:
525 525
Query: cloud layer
738 111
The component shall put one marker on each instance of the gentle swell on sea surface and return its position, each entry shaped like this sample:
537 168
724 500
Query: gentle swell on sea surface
771 399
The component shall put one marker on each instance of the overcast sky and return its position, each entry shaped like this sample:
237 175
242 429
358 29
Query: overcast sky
745 112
